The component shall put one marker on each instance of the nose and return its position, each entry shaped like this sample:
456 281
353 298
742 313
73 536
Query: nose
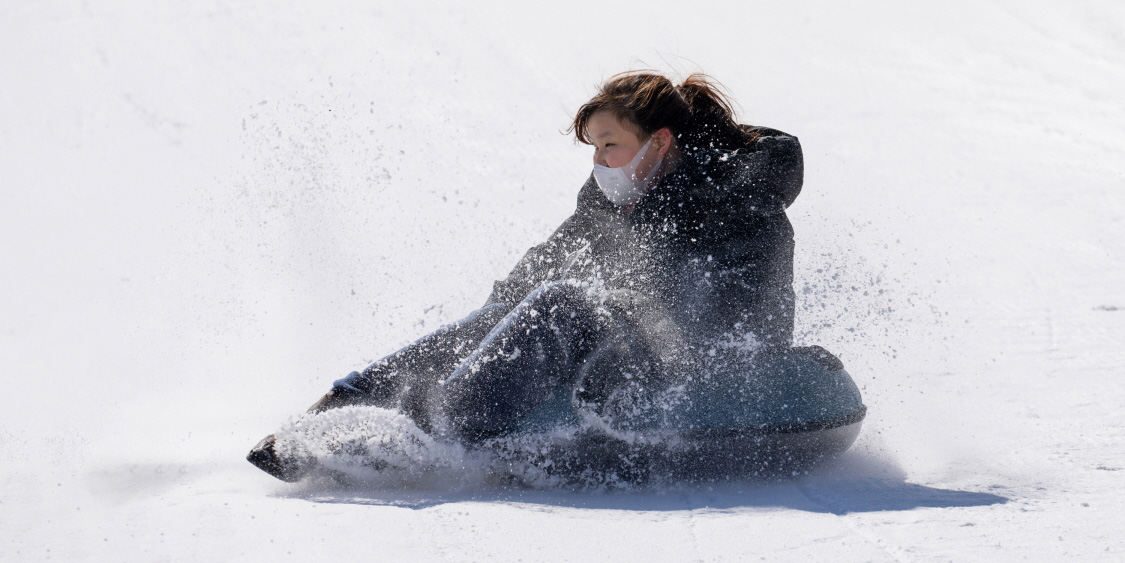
599 157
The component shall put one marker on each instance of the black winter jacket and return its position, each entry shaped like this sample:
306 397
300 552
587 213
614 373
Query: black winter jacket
709 244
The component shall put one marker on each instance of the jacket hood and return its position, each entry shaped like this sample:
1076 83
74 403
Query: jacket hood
767 173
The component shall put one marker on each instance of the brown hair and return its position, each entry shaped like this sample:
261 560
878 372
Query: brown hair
697 112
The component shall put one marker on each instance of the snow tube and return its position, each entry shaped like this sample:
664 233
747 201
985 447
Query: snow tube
789 411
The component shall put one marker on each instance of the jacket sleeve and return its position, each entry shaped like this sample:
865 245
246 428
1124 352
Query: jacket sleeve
544 262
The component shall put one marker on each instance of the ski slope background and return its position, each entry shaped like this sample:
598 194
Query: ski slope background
210 210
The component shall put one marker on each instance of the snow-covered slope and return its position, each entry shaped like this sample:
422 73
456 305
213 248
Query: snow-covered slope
208 211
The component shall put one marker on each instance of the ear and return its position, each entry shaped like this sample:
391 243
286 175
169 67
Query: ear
662 138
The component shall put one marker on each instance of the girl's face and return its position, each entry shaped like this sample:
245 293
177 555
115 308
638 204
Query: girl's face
614 145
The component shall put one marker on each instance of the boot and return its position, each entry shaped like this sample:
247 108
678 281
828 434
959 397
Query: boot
264 456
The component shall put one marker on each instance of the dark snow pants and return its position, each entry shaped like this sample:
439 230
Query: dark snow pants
480 374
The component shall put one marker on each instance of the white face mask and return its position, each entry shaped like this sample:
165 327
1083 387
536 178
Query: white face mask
621 185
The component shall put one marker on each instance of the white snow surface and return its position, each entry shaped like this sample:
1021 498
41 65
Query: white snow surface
211 210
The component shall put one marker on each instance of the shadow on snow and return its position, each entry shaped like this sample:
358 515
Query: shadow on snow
854 483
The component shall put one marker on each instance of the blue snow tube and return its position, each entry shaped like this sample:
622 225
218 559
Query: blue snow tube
790 410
